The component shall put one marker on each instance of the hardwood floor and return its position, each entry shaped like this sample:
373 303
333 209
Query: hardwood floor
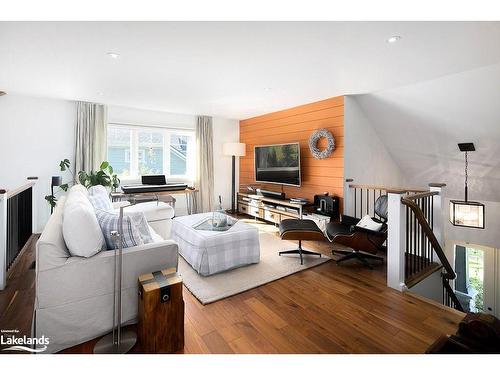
326 309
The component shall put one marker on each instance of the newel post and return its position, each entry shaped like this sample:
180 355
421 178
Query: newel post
3 238
396 226
34 204
437 212
347 196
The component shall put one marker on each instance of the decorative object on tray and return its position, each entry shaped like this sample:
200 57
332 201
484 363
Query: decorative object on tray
219 217
313 144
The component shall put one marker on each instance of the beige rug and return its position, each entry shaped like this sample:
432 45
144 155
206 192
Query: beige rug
209 289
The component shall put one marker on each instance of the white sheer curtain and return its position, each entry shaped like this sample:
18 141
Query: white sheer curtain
204 164
91 130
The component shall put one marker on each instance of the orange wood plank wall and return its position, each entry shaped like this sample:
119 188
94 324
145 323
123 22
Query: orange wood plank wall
296 125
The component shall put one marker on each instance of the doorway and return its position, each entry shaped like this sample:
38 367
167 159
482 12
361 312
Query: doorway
475 281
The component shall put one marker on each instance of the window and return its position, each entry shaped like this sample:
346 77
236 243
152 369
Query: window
134 151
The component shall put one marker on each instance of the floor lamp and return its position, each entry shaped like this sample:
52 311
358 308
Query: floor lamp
233 149
119 341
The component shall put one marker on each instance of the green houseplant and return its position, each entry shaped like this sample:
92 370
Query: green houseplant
104 176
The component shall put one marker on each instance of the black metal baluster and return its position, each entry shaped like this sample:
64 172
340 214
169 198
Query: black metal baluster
361 202
355 201
407 241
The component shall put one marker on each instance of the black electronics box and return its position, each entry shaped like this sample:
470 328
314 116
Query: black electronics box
327 205
271 194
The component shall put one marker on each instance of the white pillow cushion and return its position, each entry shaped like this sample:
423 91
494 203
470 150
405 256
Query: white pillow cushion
99 197
368 223
80 188
81 231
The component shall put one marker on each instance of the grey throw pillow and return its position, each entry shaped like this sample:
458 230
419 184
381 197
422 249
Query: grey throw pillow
109 222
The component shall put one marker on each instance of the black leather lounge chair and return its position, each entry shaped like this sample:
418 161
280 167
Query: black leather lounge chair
364 243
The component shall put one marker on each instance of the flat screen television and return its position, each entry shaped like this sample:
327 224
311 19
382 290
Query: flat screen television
278 164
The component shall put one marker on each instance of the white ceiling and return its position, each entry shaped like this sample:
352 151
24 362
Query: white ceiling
237 69
421 125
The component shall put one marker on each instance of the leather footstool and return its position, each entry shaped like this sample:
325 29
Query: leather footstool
299 230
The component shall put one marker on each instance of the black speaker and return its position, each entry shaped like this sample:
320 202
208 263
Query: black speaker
327 205
271 194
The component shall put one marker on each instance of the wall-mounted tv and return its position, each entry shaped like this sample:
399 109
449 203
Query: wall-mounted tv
278 164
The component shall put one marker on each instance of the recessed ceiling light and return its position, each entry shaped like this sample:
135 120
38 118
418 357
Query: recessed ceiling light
268 88
113 55
100 93
393 39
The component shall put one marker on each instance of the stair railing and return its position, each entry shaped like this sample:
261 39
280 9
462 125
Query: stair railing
415 251
17 223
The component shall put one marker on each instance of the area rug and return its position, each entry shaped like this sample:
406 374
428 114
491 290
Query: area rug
272 267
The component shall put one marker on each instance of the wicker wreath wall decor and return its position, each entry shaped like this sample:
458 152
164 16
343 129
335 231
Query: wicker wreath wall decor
313 144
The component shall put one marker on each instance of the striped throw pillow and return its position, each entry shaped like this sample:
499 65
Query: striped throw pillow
109 222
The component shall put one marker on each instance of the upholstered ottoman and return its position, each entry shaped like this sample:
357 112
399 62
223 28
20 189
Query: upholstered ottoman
300 230
211 252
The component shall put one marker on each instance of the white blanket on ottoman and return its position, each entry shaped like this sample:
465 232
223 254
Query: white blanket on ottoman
210 252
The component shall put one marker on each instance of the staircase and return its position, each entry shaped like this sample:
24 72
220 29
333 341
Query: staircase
422 246
415 234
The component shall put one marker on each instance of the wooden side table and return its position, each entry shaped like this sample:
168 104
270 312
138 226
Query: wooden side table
161 312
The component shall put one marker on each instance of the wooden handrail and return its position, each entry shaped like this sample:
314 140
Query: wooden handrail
20 189
451 294
409 202
387 188
422 195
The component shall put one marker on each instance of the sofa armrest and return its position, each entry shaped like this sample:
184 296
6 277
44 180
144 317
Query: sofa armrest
82 278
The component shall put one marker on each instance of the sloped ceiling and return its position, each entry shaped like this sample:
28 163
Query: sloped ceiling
421 125
233 69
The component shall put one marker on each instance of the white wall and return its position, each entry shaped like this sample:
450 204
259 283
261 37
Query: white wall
430 287
366 158
36 134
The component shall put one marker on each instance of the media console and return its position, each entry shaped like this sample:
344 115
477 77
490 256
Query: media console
270 209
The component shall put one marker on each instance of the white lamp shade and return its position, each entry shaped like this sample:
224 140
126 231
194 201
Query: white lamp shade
234 149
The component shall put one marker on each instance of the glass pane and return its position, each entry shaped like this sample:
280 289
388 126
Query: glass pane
469 283
475 265
150 153
119 150
178 154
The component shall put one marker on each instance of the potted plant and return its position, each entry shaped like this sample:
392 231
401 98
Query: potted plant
105 176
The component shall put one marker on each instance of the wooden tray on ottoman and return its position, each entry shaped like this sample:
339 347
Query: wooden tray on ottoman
161 312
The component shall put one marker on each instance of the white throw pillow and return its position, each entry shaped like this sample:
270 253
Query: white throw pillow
80 188
99 198
368 223
81 231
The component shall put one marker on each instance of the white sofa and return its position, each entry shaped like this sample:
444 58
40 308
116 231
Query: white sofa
158 214
74 295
